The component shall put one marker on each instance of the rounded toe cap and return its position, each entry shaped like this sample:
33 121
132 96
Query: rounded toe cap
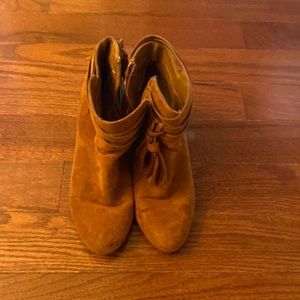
166 228
103 229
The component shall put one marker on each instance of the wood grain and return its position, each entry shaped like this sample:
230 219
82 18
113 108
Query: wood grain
36 137
30 186
247 10
243 66
244 135
281 102
54 27
44 242
217 101
271 35
238 142
142 286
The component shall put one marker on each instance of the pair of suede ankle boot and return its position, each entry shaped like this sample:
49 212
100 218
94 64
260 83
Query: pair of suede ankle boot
131 155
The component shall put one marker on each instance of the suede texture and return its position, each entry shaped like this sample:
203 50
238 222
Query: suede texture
131 148
101 188
162 177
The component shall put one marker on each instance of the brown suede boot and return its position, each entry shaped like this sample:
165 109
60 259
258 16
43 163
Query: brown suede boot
163 183
101 188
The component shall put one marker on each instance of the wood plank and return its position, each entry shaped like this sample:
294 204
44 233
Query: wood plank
213 101
246 189
271 35
243 66
69 28
42 78
239 142
217 243
131 285
271 102
247 10
25 5
36 137
30 186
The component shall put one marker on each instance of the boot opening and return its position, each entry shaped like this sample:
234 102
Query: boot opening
156 59
110 62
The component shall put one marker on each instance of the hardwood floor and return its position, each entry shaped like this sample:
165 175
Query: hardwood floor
244 61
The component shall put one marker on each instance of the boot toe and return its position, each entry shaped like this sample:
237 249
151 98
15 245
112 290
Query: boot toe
103 229
166 227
